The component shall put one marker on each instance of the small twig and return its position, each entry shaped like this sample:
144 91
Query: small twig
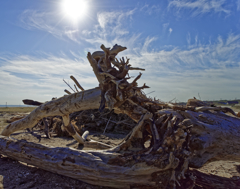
66 91
150 92
199 96
172 100
119 122
76 88
106 125
134 68
68 85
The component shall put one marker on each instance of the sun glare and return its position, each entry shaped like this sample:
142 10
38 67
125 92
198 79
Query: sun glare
74 9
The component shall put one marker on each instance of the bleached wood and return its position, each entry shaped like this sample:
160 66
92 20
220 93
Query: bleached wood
76 82
88 99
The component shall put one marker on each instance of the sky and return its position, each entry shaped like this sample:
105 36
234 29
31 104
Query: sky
189 48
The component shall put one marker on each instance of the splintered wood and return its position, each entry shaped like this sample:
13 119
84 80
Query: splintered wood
180 136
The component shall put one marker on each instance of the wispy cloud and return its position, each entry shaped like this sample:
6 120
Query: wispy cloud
172 72
199 7
112 27
50 22
35 77
211 69
31 19
238 5
188 38
150 9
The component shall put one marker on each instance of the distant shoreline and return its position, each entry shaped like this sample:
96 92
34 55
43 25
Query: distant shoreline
2 106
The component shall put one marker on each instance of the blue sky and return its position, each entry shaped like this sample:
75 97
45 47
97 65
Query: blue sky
188 47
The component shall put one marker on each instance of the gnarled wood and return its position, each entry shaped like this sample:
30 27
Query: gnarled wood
181 136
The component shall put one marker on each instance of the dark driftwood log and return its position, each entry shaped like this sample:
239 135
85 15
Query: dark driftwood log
181 136
89 166
32 102
205 181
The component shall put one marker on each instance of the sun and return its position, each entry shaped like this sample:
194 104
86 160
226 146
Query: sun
74 9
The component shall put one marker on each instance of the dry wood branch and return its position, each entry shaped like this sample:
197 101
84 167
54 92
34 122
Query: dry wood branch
66 91
95 67
69 86
135 68
76 88
77 83
134 83
32 102
70 129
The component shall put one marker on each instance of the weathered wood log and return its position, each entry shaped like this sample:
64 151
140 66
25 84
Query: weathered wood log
90 166
205 181
217 138
88 99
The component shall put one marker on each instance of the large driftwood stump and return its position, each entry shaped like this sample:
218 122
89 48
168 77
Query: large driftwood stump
181 136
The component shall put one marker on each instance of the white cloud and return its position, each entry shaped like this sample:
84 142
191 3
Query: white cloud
198 7
170 31
165 26
150 9
105 18
33 77
111 27
212 70
73 35
147 43
238 5
50 22
188 38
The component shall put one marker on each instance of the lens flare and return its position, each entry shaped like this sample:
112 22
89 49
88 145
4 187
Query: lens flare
74 9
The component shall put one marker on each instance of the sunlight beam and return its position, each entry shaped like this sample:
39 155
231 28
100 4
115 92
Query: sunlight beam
75 10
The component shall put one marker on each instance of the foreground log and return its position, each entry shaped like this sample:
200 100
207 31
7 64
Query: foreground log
203 180
180 136
89 166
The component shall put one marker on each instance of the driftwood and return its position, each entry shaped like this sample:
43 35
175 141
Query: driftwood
32 102
181 136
